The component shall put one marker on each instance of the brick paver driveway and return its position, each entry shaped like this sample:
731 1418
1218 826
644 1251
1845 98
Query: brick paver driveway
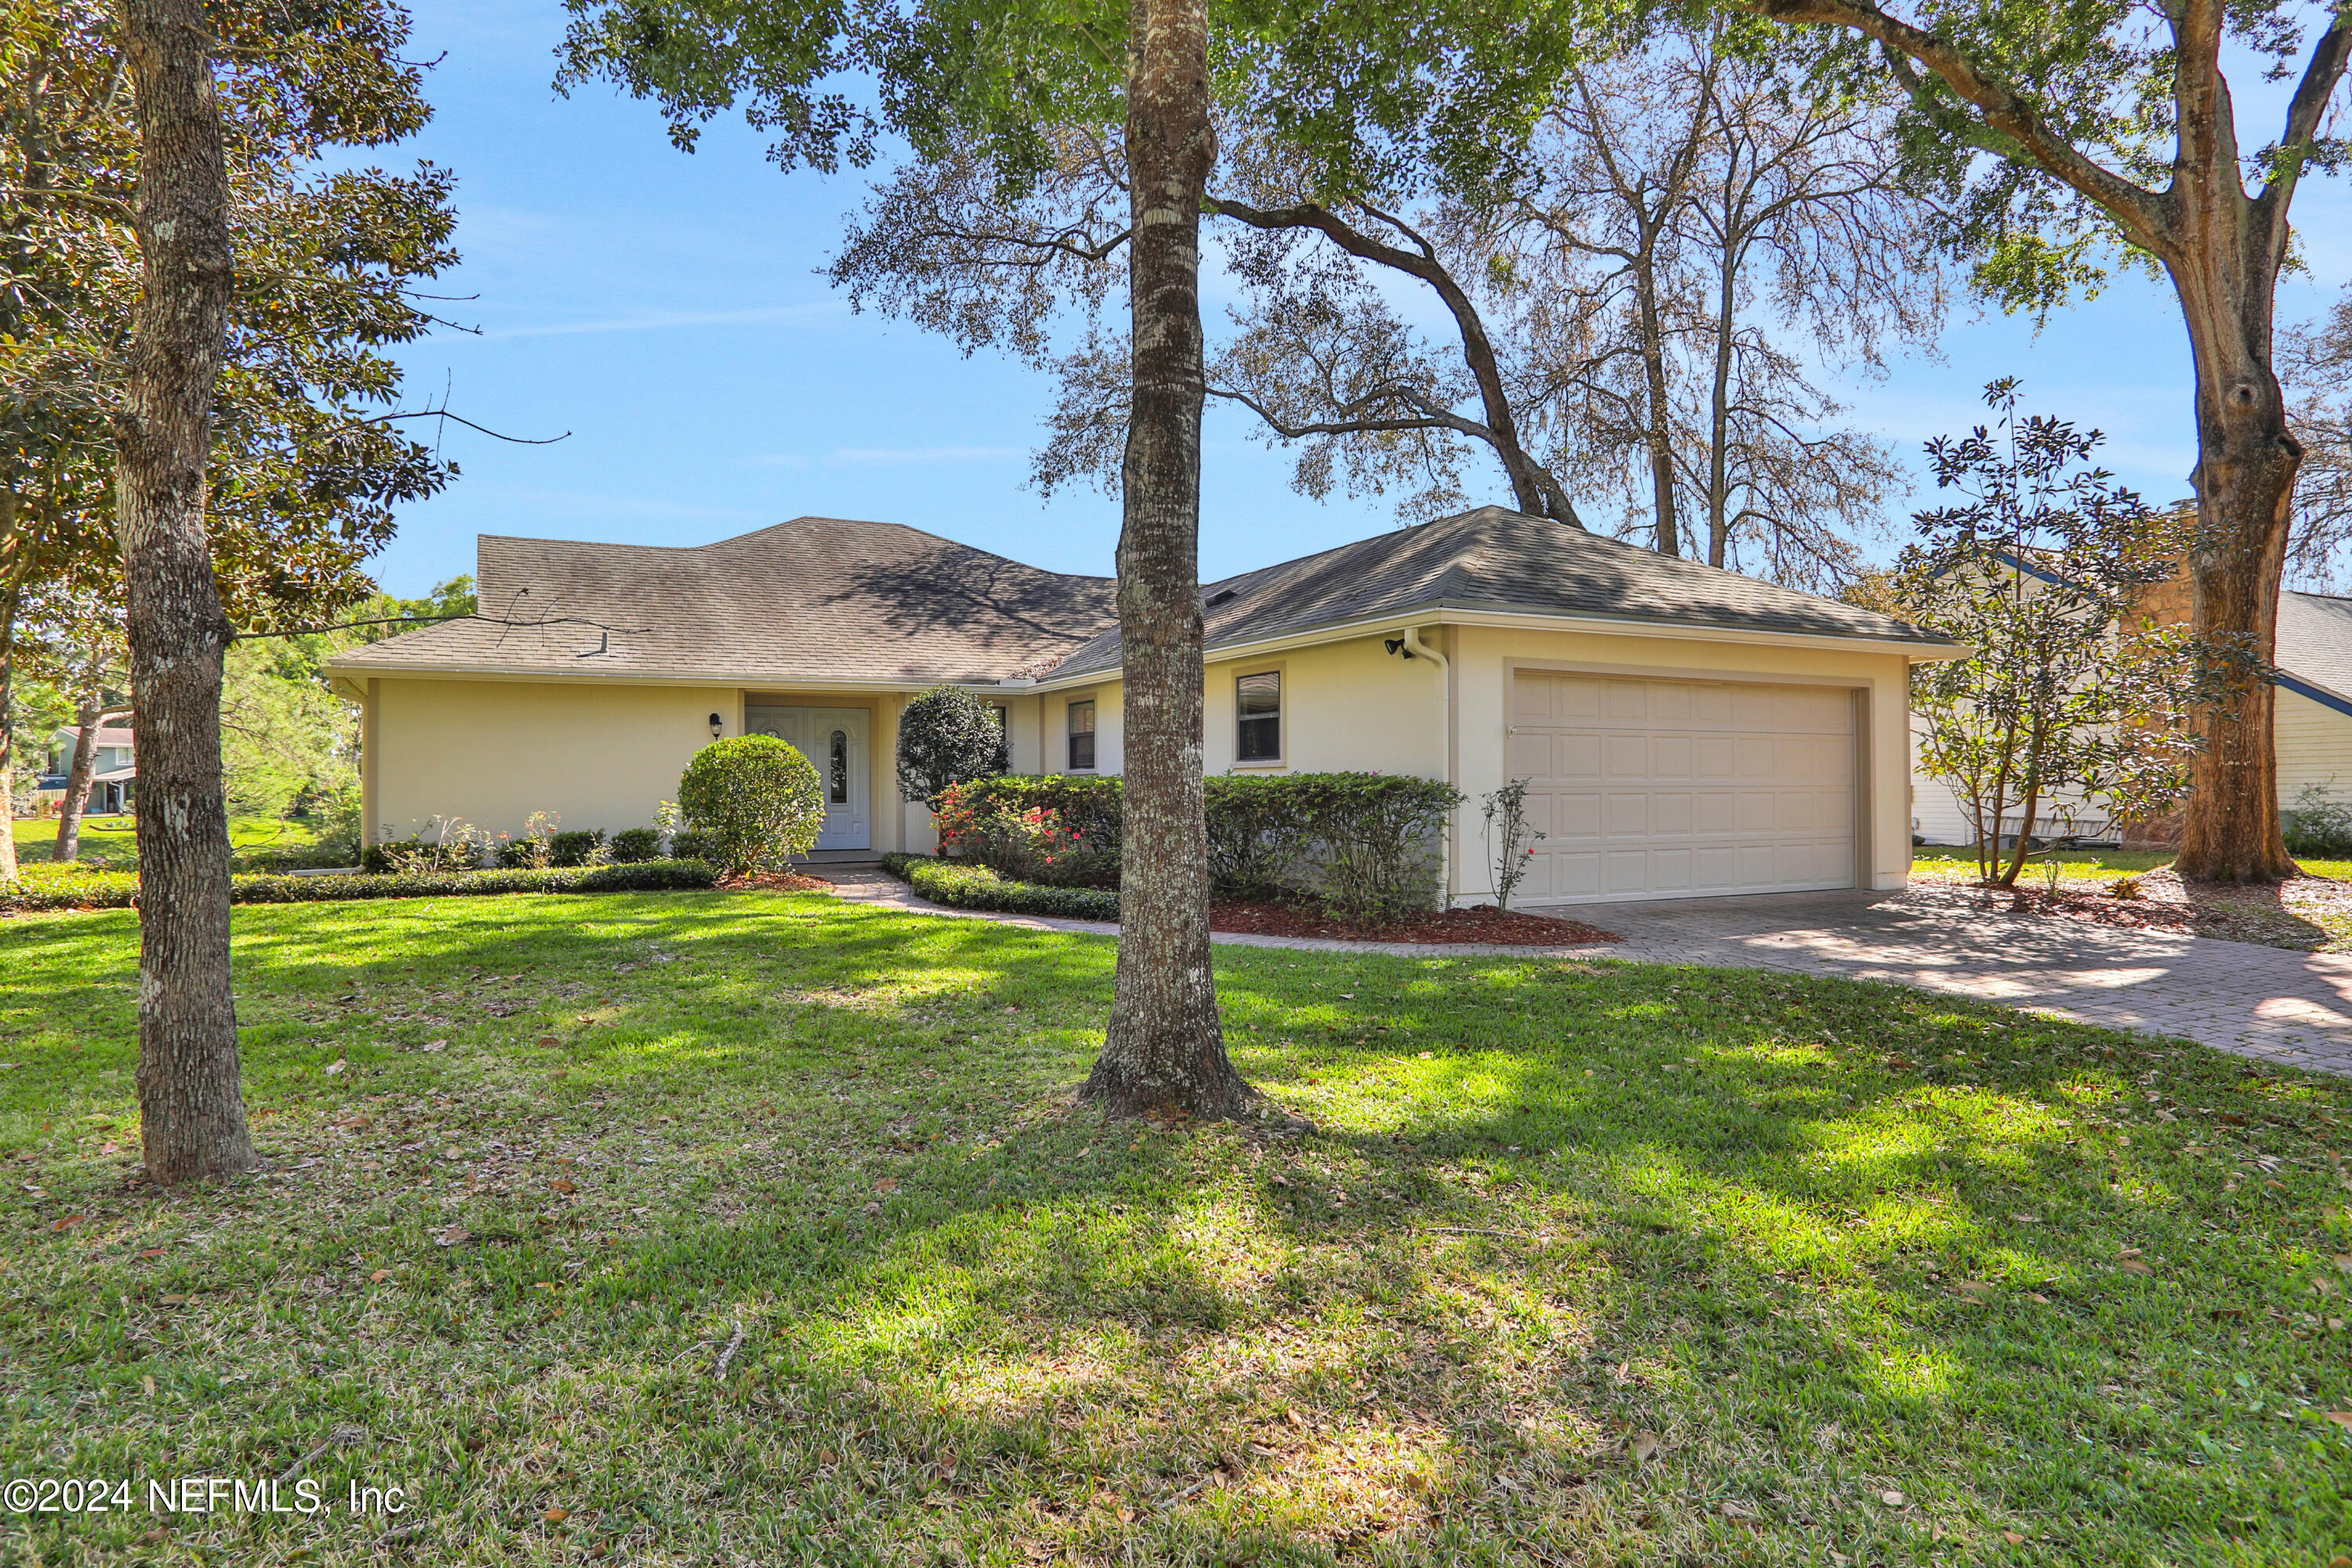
2263 1002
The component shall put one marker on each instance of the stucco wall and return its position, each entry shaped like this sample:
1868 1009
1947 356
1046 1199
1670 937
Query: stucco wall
599 754
1052 753
1346 707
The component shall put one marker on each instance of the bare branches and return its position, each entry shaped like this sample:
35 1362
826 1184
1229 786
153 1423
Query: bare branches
949 245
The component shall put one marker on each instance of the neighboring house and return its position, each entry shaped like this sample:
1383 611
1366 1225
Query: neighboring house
113 778
2311 727
1688 731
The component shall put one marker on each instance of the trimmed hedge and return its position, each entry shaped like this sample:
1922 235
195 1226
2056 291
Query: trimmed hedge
1365 843
122 892
635 846
967 887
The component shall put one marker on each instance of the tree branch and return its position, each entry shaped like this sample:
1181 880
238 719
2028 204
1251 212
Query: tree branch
2140 211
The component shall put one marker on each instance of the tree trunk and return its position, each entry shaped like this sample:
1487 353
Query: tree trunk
1718 410
1659 435
8 595
1164 1053
2246 464
85 764
189 1092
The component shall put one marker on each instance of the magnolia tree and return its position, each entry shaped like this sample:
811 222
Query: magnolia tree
755 801
2040 570
948 736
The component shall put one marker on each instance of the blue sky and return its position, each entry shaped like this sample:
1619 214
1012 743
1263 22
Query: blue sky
667 311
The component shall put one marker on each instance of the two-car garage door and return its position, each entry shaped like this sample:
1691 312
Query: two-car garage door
1648 789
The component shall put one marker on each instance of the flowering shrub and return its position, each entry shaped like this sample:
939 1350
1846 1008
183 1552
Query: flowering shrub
535 849
1037 843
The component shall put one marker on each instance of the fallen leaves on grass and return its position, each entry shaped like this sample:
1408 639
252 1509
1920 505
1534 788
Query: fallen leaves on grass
774 882
1483 924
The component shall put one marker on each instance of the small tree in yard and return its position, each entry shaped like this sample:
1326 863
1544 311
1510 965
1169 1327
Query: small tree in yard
755 799
2039 572
948 736
1506 814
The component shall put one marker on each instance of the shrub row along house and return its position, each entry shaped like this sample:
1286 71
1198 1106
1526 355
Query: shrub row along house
1687 731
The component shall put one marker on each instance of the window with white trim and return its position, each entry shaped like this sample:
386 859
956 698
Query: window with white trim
1258 700
1082 736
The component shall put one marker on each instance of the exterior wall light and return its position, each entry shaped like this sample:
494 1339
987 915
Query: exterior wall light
718 727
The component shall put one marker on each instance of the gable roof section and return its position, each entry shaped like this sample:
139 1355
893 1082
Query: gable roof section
2314 651
815 599
108 735
1497 560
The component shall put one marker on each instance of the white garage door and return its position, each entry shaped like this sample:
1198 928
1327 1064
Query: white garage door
1659 789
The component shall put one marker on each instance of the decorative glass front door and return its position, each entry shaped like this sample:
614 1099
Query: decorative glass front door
834 739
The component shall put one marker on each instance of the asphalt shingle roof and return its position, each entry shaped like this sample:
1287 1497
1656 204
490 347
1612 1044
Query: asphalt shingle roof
825 599
1495 559
814 599
2314 640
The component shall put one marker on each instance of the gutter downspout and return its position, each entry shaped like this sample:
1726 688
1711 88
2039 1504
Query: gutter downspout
1414 647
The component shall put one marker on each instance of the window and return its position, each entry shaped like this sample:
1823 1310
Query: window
1260 703
837 791
1082 736
1004 737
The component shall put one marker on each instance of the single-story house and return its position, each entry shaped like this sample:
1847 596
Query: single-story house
2311 721
1688 731
114 777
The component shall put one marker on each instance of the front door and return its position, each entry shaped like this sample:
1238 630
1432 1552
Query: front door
834 739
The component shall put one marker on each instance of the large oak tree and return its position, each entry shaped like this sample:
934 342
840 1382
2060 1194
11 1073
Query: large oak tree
2058 133
308 459
196 314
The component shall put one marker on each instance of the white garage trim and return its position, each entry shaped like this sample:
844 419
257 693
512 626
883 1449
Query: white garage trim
1650 786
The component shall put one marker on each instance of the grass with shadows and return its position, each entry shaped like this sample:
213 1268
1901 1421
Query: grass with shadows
707 1228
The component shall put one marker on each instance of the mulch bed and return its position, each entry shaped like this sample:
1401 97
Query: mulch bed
1483 924
775 882
2287 916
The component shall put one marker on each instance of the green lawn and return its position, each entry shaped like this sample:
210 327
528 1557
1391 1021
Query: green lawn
1576 1263
2080 866
112 843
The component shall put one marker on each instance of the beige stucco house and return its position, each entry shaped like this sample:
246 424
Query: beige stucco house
1687 731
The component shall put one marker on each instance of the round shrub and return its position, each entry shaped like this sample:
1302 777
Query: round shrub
576 848
948 736
635 846
757 800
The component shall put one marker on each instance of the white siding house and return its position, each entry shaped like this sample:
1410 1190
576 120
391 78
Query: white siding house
2313 729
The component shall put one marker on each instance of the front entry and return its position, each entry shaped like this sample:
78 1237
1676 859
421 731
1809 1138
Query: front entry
834 739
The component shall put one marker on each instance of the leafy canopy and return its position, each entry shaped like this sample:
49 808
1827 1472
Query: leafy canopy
948 736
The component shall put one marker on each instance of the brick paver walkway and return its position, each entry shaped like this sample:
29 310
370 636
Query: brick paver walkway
2267 1003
